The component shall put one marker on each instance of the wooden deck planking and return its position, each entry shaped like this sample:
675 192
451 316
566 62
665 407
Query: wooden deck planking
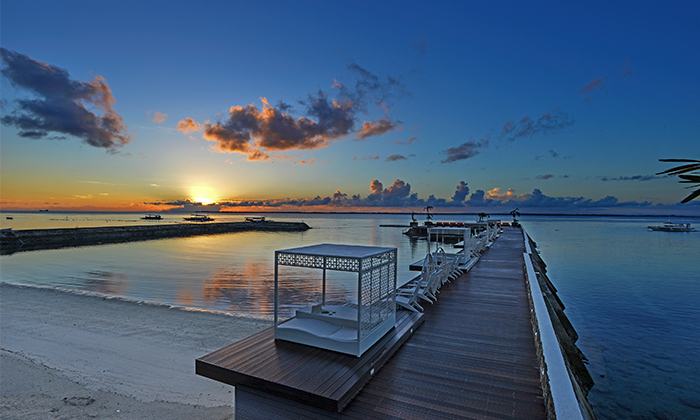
474 357
324 378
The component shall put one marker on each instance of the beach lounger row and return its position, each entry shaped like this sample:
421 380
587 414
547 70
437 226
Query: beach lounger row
439 269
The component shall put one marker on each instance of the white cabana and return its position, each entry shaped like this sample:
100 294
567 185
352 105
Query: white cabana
347 328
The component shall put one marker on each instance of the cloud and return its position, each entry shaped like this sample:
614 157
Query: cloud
188 125
593 88
626 70
158 117
382 126
461 192
399 195
371 158
596 84
398 191
547 176
257 131
548 123
369 88
409 141
465 150
61 104
632 178
394 158
537 199
420 45
551 152
304 162
248 129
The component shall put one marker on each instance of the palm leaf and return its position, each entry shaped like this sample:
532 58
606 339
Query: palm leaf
692 196
686 179
681 169
678 160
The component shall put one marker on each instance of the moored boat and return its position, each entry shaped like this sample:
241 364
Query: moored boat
198 218
672 227
152 216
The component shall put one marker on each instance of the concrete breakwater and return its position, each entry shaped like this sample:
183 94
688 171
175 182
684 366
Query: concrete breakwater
12 241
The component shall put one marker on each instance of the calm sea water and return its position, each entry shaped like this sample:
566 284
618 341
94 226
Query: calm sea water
631 294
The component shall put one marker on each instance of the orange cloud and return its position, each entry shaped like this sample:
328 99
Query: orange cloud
272 129
382 126
495 194
158 117
303 162
188 125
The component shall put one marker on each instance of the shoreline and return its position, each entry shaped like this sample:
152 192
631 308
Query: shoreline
57 344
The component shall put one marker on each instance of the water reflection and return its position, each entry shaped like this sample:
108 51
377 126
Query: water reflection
104 282
250 290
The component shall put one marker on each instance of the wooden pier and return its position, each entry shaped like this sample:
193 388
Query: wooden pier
474 357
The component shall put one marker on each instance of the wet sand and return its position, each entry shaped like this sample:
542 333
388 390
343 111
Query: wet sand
66 355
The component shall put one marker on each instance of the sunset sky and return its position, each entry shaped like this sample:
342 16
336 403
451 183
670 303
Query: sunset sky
354 106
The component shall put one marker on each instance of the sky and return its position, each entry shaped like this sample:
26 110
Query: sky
548 107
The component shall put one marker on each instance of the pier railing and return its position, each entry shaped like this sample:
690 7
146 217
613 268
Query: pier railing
565 396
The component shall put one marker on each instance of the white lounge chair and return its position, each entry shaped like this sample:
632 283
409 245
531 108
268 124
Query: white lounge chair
410 300
425 287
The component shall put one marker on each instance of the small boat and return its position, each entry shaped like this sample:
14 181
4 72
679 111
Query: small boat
152 216
255 219
9 218
672 227
199 218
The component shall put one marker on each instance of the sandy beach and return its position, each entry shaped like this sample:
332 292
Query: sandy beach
67 355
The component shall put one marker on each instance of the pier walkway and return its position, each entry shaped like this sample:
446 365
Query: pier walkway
473 358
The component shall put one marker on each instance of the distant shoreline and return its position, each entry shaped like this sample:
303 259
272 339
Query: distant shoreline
418 215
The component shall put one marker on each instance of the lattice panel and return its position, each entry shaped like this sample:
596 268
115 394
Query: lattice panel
343 264
377 297
298 260
377 260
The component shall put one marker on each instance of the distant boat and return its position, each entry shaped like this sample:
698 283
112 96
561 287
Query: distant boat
152 216
672 227
199 218
255 219
9 218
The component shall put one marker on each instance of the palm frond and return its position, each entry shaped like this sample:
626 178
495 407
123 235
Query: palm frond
678 160
694 178
692 196
681 169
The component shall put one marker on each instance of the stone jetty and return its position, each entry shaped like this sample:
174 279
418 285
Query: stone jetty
12 241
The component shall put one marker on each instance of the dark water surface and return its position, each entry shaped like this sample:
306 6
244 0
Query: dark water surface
633 295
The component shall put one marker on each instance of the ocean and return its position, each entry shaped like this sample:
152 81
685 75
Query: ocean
632 294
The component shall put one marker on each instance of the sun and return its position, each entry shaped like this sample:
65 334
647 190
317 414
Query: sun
203 194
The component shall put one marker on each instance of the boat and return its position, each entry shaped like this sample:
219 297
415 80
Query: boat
198 218
255 219
672 227
152 216
9 218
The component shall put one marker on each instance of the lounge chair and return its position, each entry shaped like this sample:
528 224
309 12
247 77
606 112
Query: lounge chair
424 287
410 300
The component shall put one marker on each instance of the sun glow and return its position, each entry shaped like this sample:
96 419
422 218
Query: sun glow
203 194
